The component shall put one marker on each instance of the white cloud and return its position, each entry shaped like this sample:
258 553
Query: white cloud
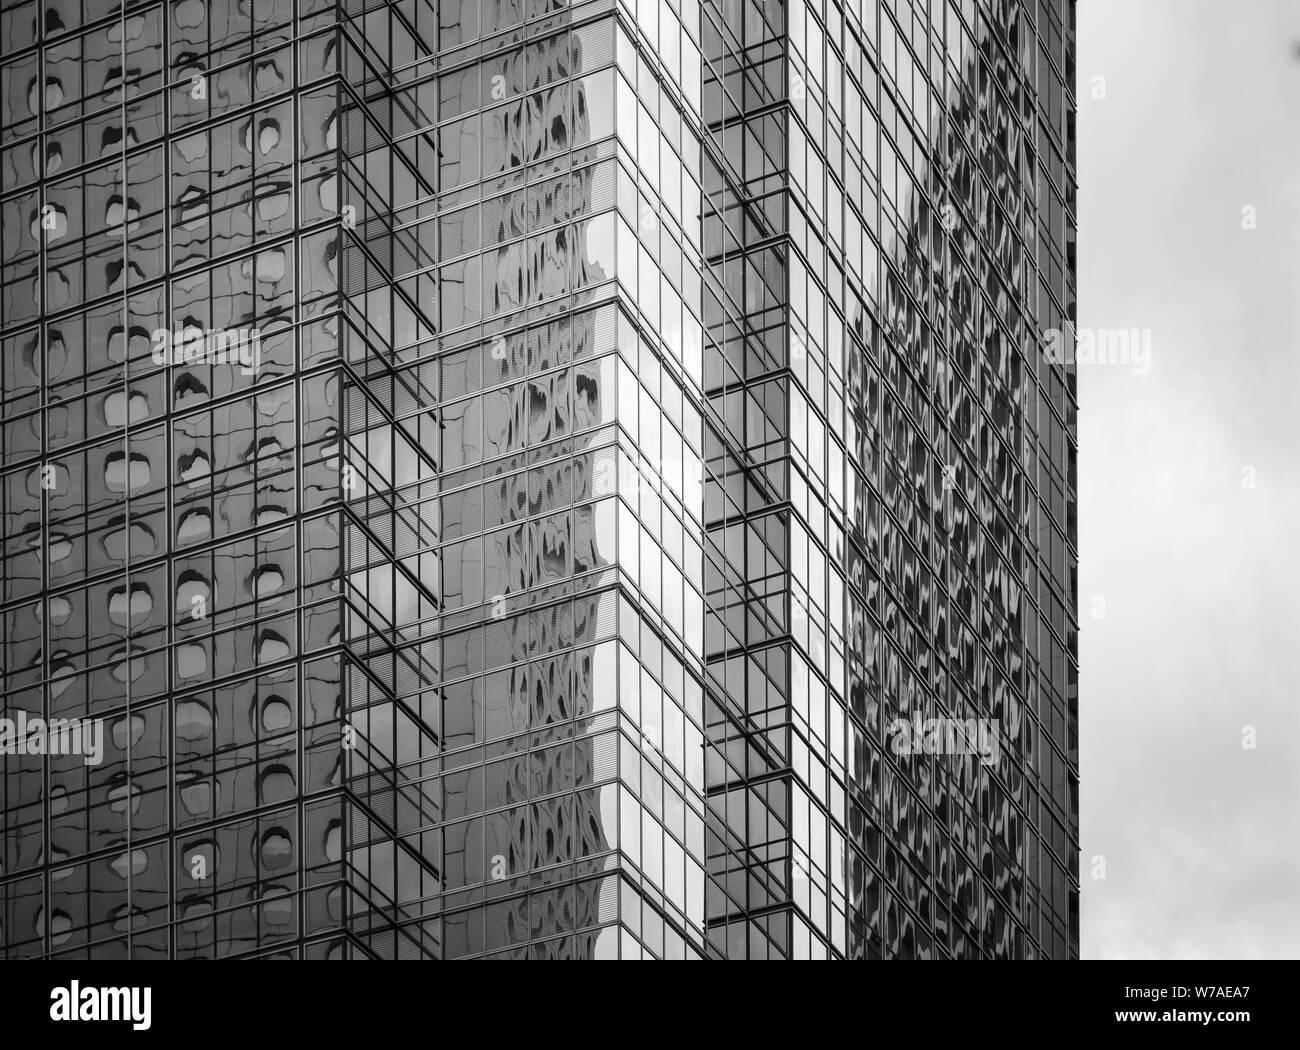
1200 575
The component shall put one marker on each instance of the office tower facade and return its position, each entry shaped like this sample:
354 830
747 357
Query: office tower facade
497 473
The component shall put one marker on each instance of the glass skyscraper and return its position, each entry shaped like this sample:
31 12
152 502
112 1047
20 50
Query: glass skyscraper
497 474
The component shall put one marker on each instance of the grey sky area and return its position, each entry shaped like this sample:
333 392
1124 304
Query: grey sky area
1190 479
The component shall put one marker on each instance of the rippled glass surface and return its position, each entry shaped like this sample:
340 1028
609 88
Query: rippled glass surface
172 539
493 471
902 544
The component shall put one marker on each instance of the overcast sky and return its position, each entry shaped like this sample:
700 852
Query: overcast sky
1199 573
